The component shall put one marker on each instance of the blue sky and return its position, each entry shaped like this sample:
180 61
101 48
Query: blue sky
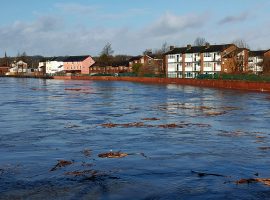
59 27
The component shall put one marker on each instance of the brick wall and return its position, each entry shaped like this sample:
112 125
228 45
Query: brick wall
225 84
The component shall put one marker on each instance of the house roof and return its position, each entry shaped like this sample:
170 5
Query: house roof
257 53
113 64
199 49
76 58
135 58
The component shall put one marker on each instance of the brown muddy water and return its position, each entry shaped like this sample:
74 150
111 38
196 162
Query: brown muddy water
122 140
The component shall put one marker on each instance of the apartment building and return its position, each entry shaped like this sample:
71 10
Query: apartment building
189 61
258 61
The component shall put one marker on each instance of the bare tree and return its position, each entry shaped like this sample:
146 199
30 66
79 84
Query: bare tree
240 43
106 54
200 41
164 48
107 50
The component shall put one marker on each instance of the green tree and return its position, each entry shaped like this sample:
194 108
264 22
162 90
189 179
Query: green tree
136 67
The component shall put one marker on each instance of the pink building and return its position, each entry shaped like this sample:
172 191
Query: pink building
78 64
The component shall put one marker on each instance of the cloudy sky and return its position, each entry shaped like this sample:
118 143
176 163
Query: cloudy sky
69 27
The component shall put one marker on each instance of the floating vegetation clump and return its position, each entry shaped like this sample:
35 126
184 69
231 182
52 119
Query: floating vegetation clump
61 163
143 125
112 154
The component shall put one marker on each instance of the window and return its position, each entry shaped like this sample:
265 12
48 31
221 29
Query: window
208 64
171 56
207 54
188 64
188 55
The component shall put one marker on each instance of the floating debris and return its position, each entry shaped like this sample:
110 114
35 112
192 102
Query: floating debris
110 125
171 126
135 124
265 181
61 163
112 155
237 133
202 174
142 125
151 119
260 137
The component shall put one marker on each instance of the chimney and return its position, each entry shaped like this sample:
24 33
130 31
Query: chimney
207 45
188 46
171 47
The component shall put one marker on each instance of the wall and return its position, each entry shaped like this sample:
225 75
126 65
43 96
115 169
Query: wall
225 84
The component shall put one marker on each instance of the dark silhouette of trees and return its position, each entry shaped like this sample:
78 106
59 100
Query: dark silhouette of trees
200 41
240 43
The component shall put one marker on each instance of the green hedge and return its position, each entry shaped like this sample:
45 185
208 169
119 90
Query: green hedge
244 77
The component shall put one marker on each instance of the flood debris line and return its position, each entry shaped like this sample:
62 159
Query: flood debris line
202 174
143 125
112 154
236 133
215 113
265 181
61 163
173 125
150 119
118 154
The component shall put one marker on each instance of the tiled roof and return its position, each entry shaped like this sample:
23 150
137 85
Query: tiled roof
199 49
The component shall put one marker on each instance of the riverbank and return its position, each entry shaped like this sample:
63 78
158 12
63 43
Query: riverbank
28 76
224 84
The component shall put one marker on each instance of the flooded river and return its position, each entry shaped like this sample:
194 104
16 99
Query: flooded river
181 142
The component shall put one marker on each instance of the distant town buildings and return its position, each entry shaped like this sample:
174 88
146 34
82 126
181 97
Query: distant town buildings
179 62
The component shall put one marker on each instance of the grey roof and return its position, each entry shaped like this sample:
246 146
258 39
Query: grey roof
199 49
76 58
257 53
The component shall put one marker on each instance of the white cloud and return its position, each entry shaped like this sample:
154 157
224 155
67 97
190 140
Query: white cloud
170 24
52 36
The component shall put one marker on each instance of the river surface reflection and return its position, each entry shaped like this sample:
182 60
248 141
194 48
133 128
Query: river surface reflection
167 130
